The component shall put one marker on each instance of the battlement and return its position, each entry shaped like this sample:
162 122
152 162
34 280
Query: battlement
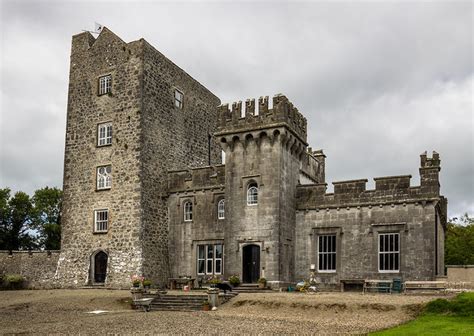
196 178
242 117
388 189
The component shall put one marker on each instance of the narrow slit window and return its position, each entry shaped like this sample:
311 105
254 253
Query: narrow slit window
178 99
221 209
252 194
188 211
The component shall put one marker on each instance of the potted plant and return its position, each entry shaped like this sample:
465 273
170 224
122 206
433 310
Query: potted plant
206 306
214 280
136 280
146 283
234 280
262 283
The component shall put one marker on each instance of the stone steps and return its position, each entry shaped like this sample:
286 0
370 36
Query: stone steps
183 302
251 288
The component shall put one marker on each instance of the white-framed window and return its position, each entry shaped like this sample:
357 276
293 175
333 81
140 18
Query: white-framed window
252 194
178 99
327 253
188 211
389 252
105 84
104 177
104 134
101 220
209 259
221 209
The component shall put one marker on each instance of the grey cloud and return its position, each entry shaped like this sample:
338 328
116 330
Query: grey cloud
379 83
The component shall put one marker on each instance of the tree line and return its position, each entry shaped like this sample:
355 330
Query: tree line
30 223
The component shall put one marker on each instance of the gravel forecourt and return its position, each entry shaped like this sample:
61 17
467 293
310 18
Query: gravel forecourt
66 312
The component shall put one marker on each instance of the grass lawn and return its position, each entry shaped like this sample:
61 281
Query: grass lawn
440 317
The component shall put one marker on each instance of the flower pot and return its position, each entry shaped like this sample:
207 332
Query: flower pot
262 285
206 307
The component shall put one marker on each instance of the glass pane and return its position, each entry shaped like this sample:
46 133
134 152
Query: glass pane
219 251
210 251
209 266
381 262
396 264
201 254
320 262
201 266
218 266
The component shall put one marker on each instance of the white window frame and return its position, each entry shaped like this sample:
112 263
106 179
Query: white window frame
328 252
178 99
105 84
252 194
221 209
104 177
387 251
104 134
101 222
210 262
188 211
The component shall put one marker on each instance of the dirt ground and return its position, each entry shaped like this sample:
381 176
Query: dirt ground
67 312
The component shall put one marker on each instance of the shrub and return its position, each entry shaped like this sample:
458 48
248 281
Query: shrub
13 281
234 280
262 280
461 305
146 282
214 280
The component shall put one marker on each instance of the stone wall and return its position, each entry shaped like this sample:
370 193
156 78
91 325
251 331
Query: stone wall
37 267
356 216
173 138
204 187
150 136
461 275
90 59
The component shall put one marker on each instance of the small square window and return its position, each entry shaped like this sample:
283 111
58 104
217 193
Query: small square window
178 99
104 177
101 220
104 134
105 84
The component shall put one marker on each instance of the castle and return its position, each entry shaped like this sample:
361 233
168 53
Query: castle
145 191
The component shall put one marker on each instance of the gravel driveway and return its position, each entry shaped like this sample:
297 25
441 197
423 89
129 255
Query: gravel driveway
66 312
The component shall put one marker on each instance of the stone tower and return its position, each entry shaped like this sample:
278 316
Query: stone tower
132 116
265 148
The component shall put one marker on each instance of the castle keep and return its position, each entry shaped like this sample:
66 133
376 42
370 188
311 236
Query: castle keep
146 192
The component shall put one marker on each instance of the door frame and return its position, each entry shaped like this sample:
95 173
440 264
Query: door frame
92 266
259 268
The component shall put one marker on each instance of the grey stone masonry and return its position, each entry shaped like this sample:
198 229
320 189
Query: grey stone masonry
357 216
150 135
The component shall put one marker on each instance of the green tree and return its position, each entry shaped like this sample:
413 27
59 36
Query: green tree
15 217
459 245
46 217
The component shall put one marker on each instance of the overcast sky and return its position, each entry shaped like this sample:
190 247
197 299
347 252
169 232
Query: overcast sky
378 82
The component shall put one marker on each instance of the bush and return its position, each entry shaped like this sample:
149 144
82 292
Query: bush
461 305
13 281
234 280
146 282
262 281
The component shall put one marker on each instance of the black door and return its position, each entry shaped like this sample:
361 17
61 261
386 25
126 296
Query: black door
100 267
251 263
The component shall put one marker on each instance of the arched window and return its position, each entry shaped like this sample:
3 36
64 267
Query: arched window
252 194
221 209
188 211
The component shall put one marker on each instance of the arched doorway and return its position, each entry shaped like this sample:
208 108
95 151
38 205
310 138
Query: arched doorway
100 267
250 263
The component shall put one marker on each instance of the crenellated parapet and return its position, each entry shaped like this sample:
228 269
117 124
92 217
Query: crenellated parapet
389 190
252 115
202 178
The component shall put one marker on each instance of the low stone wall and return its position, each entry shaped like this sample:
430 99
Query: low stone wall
461 275
37 267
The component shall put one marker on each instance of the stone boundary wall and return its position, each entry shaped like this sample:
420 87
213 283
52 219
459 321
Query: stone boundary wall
37 267
461 275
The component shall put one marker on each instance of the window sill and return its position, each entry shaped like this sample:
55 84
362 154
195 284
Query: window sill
327 272
100 232
103 189
398 271
106 145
